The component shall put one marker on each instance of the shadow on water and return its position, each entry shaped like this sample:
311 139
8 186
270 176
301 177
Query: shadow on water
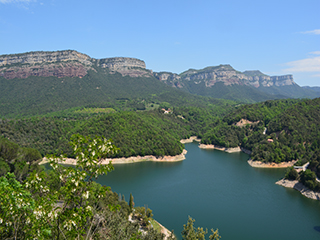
317 228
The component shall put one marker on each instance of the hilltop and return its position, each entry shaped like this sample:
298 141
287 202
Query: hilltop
42 82
224 81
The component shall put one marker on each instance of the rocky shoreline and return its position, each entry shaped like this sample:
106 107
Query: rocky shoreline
259 164
228 150
295 184
256 164
190 140
177 158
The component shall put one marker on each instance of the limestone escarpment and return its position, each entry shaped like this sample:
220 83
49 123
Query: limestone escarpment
126 66
227 75
68 63
282 80
169 78
47 70
45 57
120 62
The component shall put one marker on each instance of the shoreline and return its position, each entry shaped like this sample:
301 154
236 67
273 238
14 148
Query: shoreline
167 233
190 140
176 158
259 164
295 184
225 149
255 164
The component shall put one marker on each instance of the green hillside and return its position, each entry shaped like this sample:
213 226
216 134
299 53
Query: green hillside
241 93
99 88
292 132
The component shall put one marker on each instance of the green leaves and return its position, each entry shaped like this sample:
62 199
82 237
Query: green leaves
40 210
190 233
16 209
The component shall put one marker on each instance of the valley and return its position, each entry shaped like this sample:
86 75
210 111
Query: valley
48 99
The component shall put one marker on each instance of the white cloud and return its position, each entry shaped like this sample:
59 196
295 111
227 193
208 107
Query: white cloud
316 32
304 65
315 53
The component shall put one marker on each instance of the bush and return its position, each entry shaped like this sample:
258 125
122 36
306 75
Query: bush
291 174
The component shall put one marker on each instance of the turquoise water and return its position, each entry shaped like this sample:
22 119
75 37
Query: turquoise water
219 190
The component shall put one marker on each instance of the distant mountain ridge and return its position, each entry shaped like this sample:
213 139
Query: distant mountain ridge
227 75
67 63
210 80
75 64
316 89
221 81
37 83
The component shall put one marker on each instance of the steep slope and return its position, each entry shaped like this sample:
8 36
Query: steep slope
42 82
225 82
316 89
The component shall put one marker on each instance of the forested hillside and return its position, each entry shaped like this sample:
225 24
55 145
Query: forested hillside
99 88
65 202
275 131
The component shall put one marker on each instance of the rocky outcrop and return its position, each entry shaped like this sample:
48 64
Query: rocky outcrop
125 66
225 74
120 62
259 164
45 57
243 122
171 79
282 80
299 187
47 70
190 140
68 63
225 149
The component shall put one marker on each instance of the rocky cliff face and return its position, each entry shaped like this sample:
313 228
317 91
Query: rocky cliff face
70 63
169 78
45 57
120 62
126 66
67 63
225 74
45 70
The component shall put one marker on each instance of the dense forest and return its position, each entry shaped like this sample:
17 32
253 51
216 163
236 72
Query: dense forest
99 89
278 131
141 123
65 202
274 131
134 132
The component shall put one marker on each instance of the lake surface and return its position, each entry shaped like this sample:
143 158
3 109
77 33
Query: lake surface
219 190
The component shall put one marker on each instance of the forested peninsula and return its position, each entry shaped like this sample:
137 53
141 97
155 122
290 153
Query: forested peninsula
66 106
275 131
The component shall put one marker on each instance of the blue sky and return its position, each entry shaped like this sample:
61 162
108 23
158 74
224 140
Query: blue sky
276 37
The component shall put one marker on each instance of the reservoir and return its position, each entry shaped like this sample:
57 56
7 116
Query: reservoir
219 190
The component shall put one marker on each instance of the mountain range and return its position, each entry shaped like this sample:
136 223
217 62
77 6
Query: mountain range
62 79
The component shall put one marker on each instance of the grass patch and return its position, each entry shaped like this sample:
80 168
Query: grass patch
155 225
151 106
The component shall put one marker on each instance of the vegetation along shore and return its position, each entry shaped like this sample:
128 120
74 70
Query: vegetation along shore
129 107
123 160
295 184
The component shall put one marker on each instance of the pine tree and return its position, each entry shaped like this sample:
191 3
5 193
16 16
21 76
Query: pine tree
131 203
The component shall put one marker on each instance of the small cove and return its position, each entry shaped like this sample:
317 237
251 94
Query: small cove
219 190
